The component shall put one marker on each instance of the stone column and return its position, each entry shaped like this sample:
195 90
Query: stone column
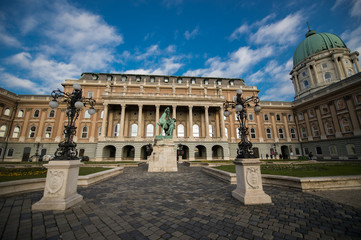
334 58
320 123
122 120
353 116
110 124
206 121
336 124
308 127
157 128
343 67
259 128
41 127
274 127
190 122
287 130
223 125
174 115
315 71
356 62
104 122
140 117
311 77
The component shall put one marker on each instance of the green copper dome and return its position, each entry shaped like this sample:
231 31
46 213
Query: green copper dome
314 43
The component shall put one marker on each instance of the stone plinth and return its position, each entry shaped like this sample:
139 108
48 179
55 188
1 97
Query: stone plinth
249 182
60 190
164 157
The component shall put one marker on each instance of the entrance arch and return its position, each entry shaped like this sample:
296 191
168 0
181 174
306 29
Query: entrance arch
109 152
200 152
285 152
128 152
217 152
183 151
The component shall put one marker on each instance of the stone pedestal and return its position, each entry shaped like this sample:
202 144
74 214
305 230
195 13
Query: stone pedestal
61 184
249 182
164 157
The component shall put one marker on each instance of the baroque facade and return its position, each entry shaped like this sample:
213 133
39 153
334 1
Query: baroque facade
324 118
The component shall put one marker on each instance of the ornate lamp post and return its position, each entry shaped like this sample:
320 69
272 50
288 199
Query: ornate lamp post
76 102
240 104
249 181
61 183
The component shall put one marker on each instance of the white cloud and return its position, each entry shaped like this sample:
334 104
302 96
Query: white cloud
7 39
171 3
237 63
353 39
168 66
283 32
75 41
244 28
356 8
151 51
190 35
12 82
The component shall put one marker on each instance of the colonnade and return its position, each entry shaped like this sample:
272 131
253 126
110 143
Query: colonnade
105 132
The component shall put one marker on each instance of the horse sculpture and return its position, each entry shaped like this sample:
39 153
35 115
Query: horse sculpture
167 123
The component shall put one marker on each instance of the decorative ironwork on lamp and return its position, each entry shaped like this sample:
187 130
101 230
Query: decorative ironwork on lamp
75 103
240 104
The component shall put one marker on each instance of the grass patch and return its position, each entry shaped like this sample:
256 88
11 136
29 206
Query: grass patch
25 163
11 174
305 170
118 162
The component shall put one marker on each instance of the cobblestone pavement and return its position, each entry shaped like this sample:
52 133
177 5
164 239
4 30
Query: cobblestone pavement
184 205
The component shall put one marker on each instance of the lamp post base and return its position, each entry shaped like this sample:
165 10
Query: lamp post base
61 184
249 189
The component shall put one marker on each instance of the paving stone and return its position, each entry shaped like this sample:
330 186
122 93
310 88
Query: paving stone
184 205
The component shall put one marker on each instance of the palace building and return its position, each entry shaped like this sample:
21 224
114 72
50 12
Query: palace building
324 118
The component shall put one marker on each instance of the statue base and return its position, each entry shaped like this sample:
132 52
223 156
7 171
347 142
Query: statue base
163 158
61 185
249 189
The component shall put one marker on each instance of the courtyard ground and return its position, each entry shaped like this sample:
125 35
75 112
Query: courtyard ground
184 205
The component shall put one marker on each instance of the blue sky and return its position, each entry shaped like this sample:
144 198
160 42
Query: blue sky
42 42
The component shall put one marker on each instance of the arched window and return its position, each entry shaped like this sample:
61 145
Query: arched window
290 117
231 82
3 130
195 130
281 135
328 77
351 149
306 84
133 130
266 118
179 80
268 133
238 133
48 132
16 132
52 114
180 131
219 82
345 125
117 130
206 81
21 113
211 130
278 117
250 117
324 109
32 132
293 133
99 131
349 73
102 114
253 133
303 132
300 116
329 128
7 112
84 132
86 114
315 131
193 81
150 130
36 113
226 132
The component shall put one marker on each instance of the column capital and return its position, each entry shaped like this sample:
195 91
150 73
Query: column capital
123 105
140 105
157 105
206 107
190 106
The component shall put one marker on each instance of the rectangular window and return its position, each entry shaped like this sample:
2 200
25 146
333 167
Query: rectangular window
10 152
318 150
90 94
297 151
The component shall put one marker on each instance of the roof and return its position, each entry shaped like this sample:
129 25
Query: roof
314 43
